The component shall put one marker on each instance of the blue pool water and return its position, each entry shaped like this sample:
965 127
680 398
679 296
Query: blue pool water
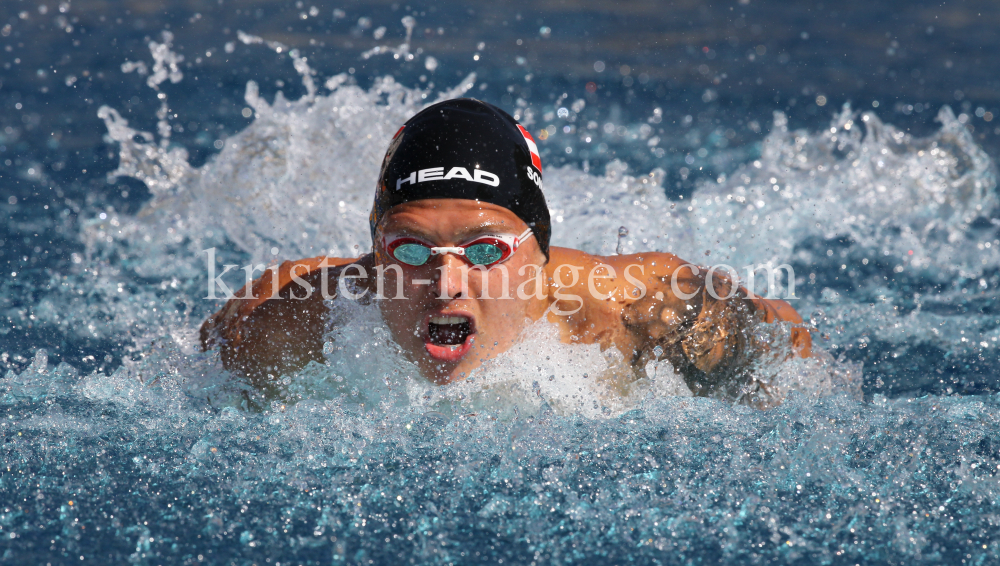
856 142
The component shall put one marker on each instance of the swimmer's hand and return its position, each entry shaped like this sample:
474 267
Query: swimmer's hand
278 326
709 340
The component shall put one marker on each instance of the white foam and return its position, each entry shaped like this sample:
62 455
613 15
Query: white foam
300 178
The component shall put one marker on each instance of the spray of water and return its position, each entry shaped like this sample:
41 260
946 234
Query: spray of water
271 189
537 457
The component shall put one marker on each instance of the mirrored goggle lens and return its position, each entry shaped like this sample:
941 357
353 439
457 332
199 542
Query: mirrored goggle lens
483 254
412 254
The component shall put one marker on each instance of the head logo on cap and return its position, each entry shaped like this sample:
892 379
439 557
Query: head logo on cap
464 149
535 159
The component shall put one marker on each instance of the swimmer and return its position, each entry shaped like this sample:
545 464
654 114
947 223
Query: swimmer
461 265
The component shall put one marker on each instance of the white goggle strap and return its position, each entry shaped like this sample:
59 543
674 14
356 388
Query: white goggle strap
524 236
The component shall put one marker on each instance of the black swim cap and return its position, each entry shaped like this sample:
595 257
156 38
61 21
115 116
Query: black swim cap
465 149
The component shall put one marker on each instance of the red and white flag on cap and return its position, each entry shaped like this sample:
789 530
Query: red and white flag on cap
535 159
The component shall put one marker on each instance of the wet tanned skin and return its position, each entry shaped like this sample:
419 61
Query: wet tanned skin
497 322
705 339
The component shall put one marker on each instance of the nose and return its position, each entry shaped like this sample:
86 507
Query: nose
450 281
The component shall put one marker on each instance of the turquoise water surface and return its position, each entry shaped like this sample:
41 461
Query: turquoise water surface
856 143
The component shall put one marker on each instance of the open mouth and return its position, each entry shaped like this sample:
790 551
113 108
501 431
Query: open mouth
449 337
449 330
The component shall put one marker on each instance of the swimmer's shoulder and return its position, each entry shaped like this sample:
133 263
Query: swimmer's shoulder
650 275
602 286
652 263
628 272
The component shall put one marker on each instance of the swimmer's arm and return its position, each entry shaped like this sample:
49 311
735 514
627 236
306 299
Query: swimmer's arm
280 327
707 339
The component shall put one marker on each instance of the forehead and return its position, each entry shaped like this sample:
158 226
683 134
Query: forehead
447 218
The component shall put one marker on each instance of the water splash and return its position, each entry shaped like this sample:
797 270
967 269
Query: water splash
903 199
401 52
622 237
157 461
267 188
300 63
827 481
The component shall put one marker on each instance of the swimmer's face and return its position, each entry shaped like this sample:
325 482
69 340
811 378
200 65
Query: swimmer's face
448 326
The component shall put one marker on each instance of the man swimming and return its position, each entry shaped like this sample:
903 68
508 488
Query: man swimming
461 265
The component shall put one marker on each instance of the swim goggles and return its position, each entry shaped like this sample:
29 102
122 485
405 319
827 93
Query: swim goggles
484 251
